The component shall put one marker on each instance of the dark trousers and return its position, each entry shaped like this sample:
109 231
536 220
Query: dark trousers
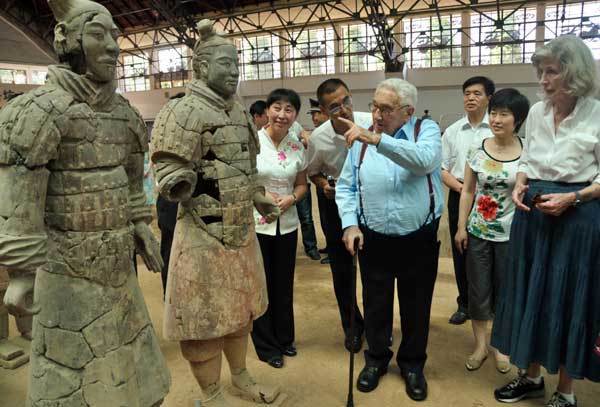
274 330
412 261
341 268
460 260
304 207
167 217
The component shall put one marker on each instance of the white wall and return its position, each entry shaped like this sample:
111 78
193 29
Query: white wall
150 102
439 89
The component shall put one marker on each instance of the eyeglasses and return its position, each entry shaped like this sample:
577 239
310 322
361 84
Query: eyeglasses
385 111
335 108
477 94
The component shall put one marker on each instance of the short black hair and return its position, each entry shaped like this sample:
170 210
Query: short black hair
285 95
329 86
487 83
258 108
513 100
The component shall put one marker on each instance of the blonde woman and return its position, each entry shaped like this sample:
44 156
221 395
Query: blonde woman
548 312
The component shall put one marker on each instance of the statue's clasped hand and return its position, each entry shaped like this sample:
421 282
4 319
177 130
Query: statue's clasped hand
147 246
19 295
266 207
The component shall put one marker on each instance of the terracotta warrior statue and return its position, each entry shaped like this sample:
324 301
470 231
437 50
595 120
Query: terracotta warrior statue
72 212
204 148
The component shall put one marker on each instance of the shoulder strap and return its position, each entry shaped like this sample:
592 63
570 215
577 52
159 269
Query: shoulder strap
429 182
363 150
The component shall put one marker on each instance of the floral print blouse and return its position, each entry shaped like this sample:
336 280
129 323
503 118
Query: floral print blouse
493 209
277 169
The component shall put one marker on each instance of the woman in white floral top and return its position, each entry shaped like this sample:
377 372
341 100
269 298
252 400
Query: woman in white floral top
281 167
485 215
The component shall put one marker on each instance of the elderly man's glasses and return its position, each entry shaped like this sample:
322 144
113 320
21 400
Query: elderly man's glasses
385 110
336 108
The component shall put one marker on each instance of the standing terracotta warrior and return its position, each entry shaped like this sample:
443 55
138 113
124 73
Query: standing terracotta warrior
204 147
73 206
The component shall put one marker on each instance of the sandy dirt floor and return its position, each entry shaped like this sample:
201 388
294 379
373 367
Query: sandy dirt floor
318 375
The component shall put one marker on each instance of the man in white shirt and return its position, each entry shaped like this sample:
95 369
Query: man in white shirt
326 156
456 143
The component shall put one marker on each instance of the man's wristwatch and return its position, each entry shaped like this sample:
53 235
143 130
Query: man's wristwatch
578 200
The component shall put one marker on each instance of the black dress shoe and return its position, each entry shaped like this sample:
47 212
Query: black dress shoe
416 385
353 344
368 379
325 260
313 254
290 351
276 362
459 317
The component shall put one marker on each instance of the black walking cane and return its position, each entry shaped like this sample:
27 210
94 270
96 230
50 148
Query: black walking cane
350 401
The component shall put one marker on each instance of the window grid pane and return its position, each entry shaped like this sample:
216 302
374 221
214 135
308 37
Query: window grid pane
510 42
359 49
38 77
313 53
13 76
135 72
430 46
582 19
172 59
259 57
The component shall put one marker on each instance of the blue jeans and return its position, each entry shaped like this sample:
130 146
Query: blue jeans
304 207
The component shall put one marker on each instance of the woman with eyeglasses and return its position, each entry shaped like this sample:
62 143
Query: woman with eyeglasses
485 215
548 312
281 166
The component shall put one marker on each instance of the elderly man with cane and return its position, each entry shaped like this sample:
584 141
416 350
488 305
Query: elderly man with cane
390 198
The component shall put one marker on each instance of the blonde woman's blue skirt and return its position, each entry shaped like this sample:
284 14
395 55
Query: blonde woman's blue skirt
548 310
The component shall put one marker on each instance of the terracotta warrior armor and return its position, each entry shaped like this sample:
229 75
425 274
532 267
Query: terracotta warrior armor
71 168
218 282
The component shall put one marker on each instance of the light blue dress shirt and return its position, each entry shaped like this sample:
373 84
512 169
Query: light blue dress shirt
394 189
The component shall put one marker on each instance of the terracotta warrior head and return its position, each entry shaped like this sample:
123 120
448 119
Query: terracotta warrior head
215 61
85 38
